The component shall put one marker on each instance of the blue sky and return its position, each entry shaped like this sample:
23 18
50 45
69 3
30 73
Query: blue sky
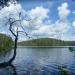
52 5
50 18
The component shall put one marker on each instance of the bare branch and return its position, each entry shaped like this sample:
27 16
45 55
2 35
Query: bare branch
15 21
25 33
10 28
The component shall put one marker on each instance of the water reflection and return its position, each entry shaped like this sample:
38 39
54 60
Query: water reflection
63 70
9 70
5 55
42 61
72 49
45 70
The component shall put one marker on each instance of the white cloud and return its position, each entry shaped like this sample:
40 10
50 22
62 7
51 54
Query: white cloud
25 23
62 26
11 10
73 23
37 26
48 29
54 30
63 10
39 12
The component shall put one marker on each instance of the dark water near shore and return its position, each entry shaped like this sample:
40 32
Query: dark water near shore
40 61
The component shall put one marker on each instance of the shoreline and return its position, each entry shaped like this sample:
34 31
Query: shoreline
47 46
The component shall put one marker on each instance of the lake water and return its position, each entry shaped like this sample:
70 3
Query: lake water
41 61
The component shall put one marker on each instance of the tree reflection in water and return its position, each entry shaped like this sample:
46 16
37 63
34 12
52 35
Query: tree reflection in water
51 69
63 70
72 49
9 70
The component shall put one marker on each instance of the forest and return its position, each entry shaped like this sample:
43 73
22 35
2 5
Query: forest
46 42
6 42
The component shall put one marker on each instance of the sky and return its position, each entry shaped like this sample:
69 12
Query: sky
48 18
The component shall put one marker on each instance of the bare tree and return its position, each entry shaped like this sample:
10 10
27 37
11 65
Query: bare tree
15 34
12 22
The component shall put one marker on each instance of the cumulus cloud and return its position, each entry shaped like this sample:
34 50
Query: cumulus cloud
48 29
39 12
11 11
37 15
63 10
54 30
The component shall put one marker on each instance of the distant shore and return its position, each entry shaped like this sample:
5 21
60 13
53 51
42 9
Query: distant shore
49 46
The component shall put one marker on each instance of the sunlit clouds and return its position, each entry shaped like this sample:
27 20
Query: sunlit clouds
40 24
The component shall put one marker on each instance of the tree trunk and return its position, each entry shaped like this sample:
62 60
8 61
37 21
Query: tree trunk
4 64
15 47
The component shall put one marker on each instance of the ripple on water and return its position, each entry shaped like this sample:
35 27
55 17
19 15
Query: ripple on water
49 61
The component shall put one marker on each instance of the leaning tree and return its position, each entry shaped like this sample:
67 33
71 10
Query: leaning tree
12 22
4 3
14 25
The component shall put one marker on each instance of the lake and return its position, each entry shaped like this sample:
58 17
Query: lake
40 61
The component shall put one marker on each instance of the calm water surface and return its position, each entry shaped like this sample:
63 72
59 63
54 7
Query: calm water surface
40 61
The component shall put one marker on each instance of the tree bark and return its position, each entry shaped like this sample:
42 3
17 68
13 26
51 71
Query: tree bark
4 64
15 47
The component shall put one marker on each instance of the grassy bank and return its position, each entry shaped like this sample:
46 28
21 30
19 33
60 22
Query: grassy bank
5 42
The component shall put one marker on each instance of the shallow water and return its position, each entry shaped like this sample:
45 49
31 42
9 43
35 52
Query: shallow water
41 61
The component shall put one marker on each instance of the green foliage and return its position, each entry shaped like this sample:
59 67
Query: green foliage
5 42
46 42
63 72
